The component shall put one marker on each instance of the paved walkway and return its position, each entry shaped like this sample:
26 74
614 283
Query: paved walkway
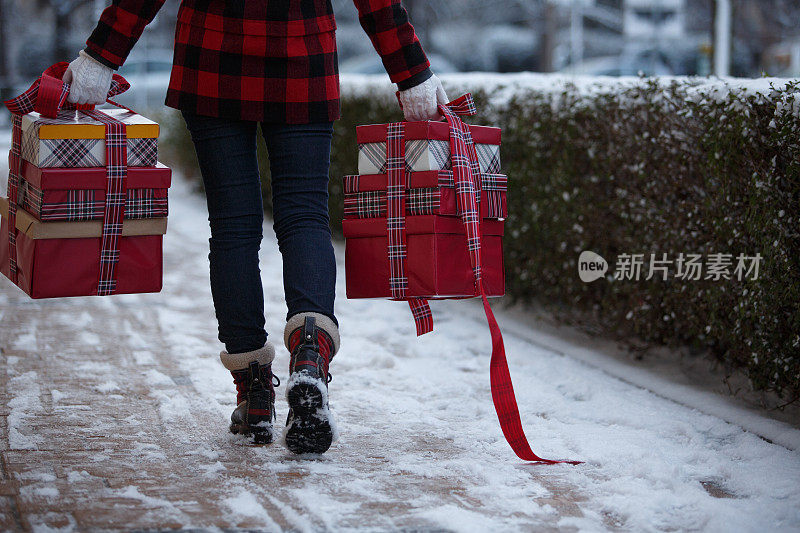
114 416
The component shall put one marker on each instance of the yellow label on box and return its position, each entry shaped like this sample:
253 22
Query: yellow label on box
136 131
76 125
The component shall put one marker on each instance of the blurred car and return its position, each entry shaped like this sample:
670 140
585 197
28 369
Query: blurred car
649 62
783 59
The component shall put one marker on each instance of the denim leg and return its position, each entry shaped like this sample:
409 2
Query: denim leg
226 152
299 158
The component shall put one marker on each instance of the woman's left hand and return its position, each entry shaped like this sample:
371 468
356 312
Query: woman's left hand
421 101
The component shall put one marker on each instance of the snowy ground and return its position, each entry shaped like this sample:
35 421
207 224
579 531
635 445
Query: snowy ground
115 416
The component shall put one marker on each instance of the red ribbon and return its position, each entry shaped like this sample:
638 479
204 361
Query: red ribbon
47 96
466 174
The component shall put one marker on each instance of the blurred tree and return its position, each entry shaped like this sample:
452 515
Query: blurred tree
421 13
5 68
62 11
547 51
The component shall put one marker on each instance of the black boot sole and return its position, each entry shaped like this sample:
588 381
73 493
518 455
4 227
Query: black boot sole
310 429
259 435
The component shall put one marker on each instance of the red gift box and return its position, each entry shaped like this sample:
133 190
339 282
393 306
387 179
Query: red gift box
75 194
438 264
57 259
91 248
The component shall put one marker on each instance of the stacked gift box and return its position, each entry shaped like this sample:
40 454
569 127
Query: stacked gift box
61 200
437 259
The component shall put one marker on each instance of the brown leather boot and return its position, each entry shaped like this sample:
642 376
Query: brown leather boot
255 398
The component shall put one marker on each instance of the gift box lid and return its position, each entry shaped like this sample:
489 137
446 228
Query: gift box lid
427 129
55 178
72 124
34 229
416 224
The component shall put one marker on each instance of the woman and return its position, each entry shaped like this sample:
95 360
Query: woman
239 63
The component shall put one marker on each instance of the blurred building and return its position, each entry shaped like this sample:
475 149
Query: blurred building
631 37
648 19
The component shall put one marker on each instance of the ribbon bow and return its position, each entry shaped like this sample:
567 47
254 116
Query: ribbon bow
463 106
48 94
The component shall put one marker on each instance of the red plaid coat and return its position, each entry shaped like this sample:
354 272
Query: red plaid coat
265 60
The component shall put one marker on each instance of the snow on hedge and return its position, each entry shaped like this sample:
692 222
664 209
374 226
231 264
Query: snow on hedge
502 87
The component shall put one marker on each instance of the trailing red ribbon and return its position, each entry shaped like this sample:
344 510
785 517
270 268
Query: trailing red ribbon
466 174
47 96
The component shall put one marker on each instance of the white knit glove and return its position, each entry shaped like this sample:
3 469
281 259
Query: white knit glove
419 102
90 80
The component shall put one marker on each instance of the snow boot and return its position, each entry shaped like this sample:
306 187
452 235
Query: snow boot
255 393
313 340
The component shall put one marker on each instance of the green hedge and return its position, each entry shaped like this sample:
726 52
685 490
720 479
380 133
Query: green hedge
638 166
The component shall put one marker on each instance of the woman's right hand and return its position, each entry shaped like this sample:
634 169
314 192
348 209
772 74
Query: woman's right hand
421 101
90 80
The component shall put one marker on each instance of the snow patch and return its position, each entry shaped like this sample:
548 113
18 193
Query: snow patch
88 339
26 341
156 378
33 475
213 469
46 492
57 395
107 386
24 404
81 321
246 505
78 477
172 407
143 357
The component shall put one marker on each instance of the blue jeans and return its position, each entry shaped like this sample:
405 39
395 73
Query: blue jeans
299 159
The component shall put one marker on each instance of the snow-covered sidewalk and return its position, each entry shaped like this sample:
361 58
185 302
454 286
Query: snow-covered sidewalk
115 416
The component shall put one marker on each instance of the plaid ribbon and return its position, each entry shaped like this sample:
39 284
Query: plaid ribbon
467 180
396 226
117 168
373 204
13 184
75 205
425 200
47 96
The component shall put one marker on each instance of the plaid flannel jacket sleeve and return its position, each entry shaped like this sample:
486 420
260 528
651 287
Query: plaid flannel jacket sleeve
120 26
392 35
